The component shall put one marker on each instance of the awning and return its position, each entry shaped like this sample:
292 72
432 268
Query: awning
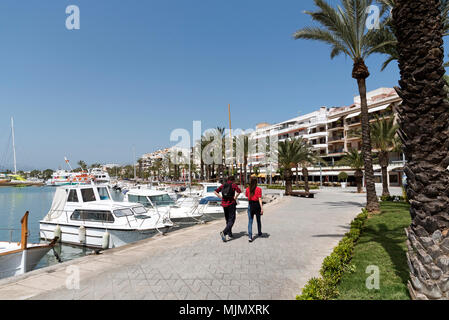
262 175
328 173
379 108
334 120
353 115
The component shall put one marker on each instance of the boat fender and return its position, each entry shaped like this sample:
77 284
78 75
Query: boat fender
106 237
57 233
82 234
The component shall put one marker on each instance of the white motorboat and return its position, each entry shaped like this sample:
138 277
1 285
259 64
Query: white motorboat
99 176
19 257
162 202
86 215
209 198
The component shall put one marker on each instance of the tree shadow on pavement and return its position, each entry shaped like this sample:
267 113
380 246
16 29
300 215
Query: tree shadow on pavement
343 204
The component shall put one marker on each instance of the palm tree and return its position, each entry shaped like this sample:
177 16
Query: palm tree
220 132
289 154
391 49
344 29
384 138
242 144
354 159
307 157
423 118
82 165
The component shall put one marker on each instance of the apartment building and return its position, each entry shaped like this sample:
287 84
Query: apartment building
149 159
333 132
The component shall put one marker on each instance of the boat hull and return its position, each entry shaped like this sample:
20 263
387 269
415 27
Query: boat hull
95 236
16 263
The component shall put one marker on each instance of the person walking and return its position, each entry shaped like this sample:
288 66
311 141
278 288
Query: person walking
255 207
229 193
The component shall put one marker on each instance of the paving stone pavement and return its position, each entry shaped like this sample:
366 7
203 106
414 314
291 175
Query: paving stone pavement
193 263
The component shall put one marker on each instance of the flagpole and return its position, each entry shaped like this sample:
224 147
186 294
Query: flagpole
67 161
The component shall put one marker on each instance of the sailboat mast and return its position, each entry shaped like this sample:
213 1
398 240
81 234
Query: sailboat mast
13 145
134 161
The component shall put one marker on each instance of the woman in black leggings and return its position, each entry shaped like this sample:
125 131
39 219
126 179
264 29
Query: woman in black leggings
255 208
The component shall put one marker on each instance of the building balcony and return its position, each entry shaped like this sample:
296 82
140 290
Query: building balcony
339 152
336 128
354 124
316 135
336 139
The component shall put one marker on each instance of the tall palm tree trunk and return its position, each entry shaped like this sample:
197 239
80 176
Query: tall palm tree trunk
305 174
359 180
288 181
360 73
245 164
383 161
423 120
202 170
297 174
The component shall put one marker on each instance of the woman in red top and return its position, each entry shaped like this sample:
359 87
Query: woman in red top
254 195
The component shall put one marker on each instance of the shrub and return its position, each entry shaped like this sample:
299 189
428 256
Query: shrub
317 289
342 176
393 198
335 265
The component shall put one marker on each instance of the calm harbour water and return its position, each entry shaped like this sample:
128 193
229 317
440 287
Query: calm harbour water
14 202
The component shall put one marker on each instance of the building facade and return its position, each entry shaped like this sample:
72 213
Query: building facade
333 132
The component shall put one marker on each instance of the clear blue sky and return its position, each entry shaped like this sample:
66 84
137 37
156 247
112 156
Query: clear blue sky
138 69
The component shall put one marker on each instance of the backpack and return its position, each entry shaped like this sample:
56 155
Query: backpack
228 192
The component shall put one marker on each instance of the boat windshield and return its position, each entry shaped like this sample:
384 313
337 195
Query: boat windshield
162 200
123 212
140 210
88 195
103 193
211 189
139 199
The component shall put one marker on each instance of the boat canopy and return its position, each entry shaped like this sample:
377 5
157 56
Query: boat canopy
57 207
209 199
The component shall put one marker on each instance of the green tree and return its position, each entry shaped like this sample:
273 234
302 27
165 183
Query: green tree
82 165
354 159
344 29
387 27
307 157
384 138
47 173
289 154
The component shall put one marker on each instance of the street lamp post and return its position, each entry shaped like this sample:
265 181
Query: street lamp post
321 176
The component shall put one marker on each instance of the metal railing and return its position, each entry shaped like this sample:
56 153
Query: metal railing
11 233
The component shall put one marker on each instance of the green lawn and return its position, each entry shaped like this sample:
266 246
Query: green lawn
382 244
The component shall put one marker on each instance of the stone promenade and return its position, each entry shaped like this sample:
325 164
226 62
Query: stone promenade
193 263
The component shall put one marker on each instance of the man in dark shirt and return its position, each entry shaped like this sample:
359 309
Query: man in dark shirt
229 203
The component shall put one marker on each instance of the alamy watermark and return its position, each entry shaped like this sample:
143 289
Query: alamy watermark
73 21
72 281
212 146
373 19
373 280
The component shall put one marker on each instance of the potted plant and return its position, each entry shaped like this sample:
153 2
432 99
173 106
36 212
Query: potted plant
343 177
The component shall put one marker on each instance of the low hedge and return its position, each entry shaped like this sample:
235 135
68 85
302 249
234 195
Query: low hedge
402 198
335 265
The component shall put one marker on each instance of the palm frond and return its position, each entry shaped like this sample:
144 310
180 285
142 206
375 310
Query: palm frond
344 29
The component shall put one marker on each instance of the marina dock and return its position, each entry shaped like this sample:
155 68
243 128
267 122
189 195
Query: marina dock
193 263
